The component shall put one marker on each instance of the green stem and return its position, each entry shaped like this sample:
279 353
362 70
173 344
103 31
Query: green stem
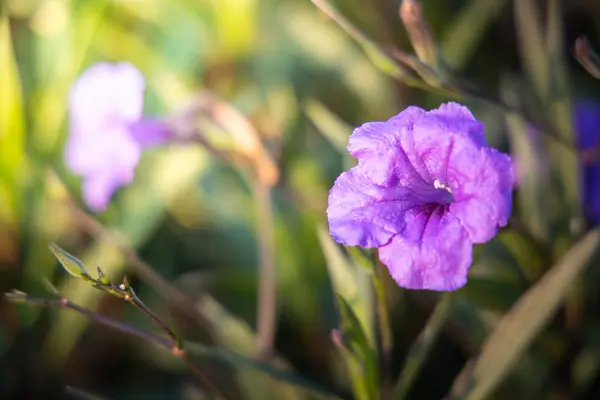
267 282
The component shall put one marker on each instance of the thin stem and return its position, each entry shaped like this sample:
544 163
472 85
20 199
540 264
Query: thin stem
412 73
385 329
267 283
66 304
155 318
140 267
170 344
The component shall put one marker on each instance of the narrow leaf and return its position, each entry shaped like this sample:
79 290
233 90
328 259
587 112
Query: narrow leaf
420 349
559 107
352 282
102 277
71 264
532 45
377 56
522 323
12 130
359 356
527 147
329 125
467 30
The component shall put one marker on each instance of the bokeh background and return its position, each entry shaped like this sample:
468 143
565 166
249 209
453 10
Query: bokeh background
303 82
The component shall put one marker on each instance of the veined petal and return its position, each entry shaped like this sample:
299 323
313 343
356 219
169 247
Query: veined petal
365 214
439 143
458 119
374 138
434 254
483 192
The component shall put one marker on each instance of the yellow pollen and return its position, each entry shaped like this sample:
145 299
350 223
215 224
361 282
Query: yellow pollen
439 185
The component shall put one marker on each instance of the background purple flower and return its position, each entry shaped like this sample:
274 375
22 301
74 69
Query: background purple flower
586 120
107 132
425 189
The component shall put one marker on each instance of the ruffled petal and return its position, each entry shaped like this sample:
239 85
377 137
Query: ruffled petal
458 119
362 213
434 254
438 142
374 138
105 95
483 192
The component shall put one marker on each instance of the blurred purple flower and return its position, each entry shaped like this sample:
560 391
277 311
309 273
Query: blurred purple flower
426 187
107 133
586 120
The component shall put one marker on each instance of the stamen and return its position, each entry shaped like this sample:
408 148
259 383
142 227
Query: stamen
439 185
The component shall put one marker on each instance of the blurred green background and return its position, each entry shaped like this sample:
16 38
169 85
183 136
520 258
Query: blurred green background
304 83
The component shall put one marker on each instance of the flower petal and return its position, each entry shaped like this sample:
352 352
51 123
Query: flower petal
105 95
483 192
365 214
374 138
434 254
437 139
592 191
460 120
114 152
586 119
98 189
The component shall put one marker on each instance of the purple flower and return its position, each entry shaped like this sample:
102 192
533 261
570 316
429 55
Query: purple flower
425 189
586 120
107 133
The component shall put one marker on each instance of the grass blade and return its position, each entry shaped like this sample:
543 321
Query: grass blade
522 323
420 349
359 356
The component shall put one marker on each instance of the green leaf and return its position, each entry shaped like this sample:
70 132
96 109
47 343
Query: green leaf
102 277
565 160
329 125
522 323
359 356
532 45
141 216
529 152
377 56
467 30
71 264
12 130
352 282
420 349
